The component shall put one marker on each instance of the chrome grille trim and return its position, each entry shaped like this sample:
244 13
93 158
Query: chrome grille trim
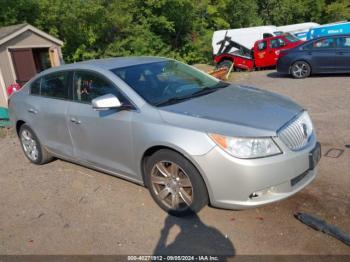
293 135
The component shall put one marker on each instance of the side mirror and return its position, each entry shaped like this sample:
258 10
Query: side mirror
106 102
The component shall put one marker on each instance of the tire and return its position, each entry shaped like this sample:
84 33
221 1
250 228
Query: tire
224 64
300 69
32 147
175 184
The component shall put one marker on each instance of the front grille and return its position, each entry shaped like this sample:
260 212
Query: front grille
296 135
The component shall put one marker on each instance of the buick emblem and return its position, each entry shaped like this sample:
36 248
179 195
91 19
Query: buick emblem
304 127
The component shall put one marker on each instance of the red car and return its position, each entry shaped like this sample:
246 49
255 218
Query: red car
265 52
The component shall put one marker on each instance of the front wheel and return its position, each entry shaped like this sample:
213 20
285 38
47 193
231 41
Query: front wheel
175 184
300 69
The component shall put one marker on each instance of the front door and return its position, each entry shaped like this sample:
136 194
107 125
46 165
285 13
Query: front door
24 65
260 53
100 138
266 55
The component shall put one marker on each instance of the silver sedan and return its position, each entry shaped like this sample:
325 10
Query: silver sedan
191 139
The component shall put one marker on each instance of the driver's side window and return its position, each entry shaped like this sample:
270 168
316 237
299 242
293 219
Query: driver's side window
262 45
88 86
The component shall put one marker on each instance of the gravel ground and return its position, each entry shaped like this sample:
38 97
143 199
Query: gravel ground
63 208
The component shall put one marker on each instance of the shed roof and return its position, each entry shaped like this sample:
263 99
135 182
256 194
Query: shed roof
9 32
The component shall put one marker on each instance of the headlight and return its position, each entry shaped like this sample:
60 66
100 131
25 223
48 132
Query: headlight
246 147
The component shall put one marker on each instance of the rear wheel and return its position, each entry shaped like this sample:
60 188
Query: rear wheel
175 184
32 147
224 64
300 69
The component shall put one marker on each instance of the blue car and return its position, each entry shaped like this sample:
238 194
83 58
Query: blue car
330 54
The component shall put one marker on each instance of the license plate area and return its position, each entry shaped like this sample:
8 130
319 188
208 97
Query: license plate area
314 156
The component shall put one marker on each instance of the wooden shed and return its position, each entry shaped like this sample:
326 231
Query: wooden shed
24 52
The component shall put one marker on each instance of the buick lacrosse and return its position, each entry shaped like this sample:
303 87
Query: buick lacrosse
191 139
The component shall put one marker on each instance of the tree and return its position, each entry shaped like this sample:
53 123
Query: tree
181 29
337 11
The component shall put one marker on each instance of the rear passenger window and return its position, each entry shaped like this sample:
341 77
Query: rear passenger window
343 42
35 87
55 85
276 43
88 86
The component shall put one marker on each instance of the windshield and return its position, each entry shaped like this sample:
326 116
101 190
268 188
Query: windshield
167 81
291 38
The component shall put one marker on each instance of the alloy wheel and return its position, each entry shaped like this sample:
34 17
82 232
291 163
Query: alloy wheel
300 70
29 145
172 185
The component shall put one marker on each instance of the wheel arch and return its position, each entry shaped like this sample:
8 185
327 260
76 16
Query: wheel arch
19 124
225 57
153 149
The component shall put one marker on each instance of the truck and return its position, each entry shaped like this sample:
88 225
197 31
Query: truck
263 54
249 35
243 36
329 29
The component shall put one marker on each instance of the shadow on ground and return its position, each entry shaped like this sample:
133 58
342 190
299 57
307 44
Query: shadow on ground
280 75
195 238
277 75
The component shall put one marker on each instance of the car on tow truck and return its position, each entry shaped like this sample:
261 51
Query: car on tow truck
264 53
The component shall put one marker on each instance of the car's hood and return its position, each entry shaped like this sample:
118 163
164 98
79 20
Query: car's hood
234 110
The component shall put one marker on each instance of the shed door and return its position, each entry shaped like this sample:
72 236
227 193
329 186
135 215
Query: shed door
23 62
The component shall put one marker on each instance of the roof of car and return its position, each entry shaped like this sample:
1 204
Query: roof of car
117 62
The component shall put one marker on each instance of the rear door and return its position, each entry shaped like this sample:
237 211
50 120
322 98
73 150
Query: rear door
100 138
275 47
322 54
47 108
343 54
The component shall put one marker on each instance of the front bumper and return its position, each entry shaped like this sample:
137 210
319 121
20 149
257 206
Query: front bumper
243 183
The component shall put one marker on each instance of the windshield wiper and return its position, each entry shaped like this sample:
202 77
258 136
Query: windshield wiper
173 100
202 91
221 84
209 89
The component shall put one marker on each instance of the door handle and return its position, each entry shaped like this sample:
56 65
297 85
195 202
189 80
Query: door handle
309 53
339 53
32 111
75 121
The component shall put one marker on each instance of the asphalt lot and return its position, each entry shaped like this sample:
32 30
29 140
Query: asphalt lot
63 208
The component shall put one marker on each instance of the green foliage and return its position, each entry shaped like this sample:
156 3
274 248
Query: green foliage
338 10
181 29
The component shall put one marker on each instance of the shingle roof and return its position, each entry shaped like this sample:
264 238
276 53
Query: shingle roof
8 30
